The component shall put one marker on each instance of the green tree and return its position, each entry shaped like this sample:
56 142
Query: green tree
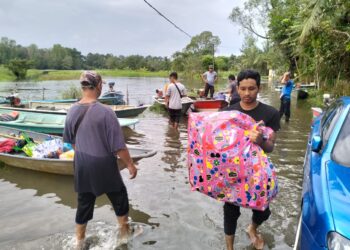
209 60
111 62
19 67
203 44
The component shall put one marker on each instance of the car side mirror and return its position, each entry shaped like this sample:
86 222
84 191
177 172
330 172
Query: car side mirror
316 143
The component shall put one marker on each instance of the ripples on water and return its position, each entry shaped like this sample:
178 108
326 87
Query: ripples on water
37 210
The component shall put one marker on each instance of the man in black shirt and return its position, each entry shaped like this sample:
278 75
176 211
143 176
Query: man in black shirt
248 83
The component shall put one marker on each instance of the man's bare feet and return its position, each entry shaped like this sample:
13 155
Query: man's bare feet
79 245
125 236
256 239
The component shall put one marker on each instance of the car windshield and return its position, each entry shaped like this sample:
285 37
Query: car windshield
342 146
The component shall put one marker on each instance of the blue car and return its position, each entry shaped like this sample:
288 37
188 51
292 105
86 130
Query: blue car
325 216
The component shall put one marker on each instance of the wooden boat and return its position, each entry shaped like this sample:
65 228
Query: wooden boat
122 111
113 97
186 103
110 98
209 105
54 166
316 112
46 123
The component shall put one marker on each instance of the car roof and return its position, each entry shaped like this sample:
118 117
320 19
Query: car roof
345 100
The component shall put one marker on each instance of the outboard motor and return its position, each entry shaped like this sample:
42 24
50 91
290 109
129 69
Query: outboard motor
327 99
14 100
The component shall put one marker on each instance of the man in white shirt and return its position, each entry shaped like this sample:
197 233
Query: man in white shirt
173 96
209 77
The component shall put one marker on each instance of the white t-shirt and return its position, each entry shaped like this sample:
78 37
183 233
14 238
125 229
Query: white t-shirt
210 77
174 95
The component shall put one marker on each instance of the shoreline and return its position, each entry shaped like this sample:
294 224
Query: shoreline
34 75
48 75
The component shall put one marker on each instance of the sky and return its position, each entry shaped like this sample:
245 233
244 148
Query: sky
120 27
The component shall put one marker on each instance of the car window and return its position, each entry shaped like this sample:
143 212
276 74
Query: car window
341 148
330 122
328 112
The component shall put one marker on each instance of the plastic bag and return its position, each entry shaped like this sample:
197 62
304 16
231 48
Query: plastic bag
224 164
25 144
69 155
29 148
48 149
67 147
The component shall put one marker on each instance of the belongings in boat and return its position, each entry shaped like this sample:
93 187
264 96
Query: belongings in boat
62 166
7 145
159 93
9 117
14 100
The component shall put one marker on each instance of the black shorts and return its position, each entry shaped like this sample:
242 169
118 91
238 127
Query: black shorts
86 204
175 115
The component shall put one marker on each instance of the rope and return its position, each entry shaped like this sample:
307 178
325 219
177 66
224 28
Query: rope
159 13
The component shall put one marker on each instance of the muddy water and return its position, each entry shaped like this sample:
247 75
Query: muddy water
37 210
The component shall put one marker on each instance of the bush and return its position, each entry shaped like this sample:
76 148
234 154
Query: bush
19 67
73 92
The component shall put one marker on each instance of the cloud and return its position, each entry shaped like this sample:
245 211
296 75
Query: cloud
117 26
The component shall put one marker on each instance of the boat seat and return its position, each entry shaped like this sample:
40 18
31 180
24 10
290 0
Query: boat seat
42 119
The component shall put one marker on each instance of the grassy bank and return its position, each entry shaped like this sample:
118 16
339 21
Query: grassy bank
44 75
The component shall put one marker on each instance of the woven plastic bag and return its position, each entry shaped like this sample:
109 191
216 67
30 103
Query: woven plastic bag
225 165
48 149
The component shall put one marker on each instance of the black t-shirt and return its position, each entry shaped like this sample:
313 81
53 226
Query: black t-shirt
264 112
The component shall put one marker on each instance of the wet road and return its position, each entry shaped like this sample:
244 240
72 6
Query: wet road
37 210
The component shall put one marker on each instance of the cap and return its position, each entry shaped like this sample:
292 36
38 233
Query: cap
90 79
111 84
211 66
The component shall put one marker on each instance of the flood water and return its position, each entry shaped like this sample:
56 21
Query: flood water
37 210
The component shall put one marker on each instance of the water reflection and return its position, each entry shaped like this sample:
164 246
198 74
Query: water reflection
161 193
58 186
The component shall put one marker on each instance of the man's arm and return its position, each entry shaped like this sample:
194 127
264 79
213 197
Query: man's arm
166 101
267 145
216 78
124 155
167 96
283 80
204 78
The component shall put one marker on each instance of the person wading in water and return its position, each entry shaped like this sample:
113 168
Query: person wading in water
209 77
95 133
175 92
285 96
248 86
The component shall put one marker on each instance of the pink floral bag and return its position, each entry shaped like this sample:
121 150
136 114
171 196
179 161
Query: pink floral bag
224 164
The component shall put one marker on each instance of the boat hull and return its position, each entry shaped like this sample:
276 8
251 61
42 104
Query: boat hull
55 166
46 123
122 111
186 104
209 105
